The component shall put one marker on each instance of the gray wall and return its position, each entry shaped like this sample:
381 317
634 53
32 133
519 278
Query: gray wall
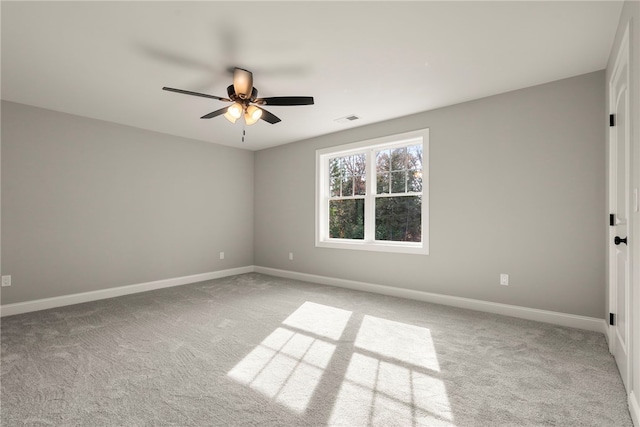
89 205
517 186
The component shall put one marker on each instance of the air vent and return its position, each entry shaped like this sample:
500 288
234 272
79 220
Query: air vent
347 119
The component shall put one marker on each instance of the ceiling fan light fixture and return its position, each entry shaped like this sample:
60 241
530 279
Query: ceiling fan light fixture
242 96
235 110
252 114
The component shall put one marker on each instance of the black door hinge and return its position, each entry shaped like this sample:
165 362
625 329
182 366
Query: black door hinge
612 120
612 219
612 319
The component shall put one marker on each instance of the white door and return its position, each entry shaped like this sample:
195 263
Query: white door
619 195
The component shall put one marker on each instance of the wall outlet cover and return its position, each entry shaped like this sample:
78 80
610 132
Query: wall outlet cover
504 279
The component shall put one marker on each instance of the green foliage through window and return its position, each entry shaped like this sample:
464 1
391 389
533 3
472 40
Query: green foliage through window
346 219
397 216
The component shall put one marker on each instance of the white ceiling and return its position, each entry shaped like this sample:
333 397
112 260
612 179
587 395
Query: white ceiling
379 60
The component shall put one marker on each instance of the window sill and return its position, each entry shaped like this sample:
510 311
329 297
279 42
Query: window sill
378 246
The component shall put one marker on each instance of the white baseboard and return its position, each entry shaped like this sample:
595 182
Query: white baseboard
46 303
634 408
562 319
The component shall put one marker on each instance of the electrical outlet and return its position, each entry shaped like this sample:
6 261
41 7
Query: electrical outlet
290 256
221 255
6 280
504 279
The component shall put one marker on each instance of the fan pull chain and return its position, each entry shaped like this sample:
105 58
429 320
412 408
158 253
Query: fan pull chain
243 130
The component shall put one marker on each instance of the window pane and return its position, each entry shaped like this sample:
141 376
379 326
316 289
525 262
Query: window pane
353 165
382 183
360 186
346 219
414 181
399 218
414 166
347 186
398 181
343 171
383 160
334 177
399 159
414 157
359 163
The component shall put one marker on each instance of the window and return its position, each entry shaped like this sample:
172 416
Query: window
373 195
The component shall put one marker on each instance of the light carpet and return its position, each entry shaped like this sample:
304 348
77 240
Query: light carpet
256 350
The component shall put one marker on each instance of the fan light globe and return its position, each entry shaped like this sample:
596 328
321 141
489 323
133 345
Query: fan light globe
230 117
235 110
252 114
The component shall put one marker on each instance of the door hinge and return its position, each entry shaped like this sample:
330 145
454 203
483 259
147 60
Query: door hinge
612 120
612 220
612 319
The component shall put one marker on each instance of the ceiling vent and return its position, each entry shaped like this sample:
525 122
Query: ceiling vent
347 119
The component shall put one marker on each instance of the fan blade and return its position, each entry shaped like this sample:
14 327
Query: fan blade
242 82
231 92
269 117
286 100
177 58
215 113
188 92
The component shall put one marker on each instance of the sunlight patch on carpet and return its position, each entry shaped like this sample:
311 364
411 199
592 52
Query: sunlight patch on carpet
288 364
400 341
392 378
319 319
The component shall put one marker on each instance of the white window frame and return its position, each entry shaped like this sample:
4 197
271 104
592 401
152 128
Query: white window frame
323 194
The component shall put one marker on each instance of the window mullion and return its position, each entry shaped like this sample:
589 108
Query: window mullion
369 204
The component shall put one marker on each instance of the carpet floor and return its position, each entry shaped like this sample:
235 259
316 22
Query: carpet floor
254 350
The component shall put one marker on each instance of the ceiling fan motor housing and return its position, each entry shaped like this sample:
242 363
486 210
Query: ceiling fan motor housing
242 82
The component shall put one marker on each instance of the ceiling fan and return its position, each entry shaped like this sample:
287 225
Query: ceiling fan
245 100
